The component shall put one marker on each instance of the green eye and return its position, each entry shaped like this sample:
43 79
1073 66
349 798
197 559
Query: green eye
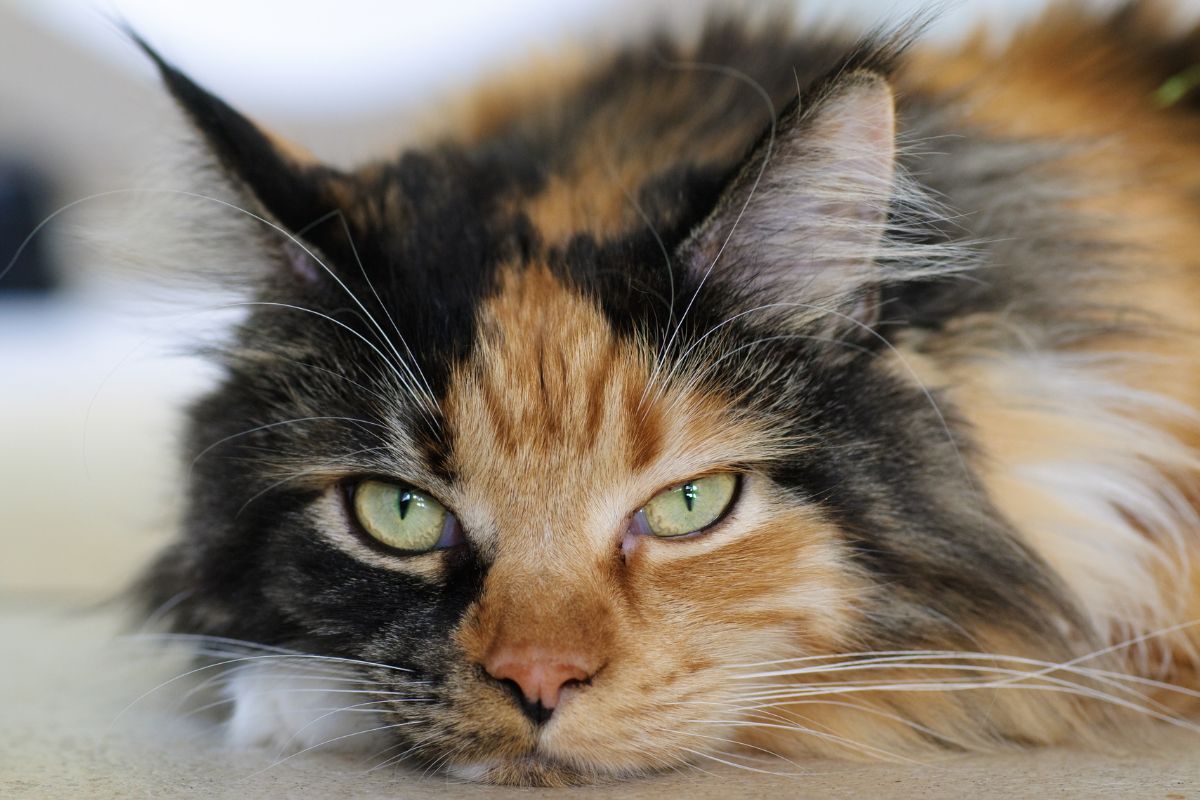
404 518
690 506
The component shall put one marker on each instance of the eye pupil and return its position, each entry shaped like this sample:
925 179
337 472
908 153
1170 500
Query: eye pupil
405 501
689 495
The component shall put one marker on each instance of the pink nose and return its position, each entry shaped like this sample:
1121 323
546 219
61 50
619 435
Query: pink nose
540 674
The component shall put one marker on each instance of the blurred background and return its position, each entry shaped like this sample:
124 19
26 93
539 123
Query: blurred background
91 380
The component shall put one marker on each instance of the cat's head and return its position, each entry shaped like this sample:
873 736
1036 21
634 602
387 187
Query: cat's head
573 434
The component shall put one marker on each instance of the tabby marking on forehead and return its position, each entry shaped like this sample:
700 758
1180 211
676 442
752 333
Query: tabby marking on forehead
550 372
551 415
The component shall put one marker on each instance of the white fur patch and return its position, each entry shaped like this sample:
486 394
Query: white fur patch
468 772
1086 468
291 710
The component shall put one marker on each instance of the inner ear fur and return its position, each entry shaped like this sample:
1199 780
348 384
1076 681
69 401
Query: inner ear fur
804 218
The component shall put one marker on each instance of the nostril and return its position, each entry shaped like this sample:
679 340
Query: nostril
533 709
513 687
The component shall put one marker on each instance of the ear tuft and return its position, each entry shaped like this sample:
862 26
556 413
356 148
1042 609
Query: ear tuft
292 191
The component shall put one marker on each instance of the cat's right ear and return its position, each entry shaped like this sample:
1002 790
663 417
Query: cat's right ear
804 221
290 187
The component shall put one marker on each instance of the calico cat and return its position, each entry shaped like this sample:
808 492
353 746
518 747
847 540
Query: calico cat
770 392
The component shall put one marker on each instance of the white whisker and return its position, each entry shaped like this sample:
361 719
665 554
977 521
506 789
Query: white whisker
404 381
770 753
728 71
303 473
865 748
218 665
328 742
736 765
277 424
1063 687
428 391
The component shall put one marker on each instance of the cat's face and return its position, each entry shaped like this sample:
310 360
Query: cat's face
541 380
558 435
547 441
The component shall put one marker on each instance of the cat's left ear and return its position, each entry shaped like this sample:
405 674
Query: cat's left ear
290 187
803 221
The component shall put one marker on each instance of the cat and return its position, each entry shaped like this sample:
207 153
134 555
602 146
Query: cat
766 392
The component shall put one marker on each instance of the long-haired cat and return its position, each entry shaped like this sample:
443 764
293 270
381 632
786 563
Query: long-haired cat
769 391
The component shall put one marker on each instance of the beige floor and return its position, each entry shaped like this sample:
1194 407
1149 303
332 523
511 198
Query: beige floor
67 674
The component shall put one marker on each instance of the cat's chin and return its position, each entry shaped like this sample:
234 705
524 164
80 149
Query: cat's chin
526 771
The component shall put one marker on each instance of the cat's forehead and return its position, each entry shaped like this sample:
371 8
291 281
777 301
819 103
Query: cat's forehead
556 411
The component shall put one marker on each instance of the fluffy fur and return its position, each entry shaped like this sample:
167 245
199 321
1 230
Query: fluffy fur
937 309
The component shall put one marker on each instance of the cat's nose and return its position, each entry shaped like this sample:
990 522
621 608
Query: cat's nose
538 677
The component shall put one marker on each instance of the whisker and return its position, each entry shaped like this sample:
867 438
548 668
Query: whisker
1068 689
385 400
427 404
770 753
445 756
328 676
357 707
736 765
878 712
728 71
413 748
267 657
404 381
1158 632
861 746
1070 666
328 742
735 708
318 669
226 677
1016 674
612 172
29 237
279 423
428 391
764 712
945 425
353 709
272 650
782 337
160 613
296 242
304 473
225 701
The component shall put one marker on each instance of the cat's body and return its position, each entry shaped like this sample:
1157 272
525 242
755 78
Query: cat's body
959 382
